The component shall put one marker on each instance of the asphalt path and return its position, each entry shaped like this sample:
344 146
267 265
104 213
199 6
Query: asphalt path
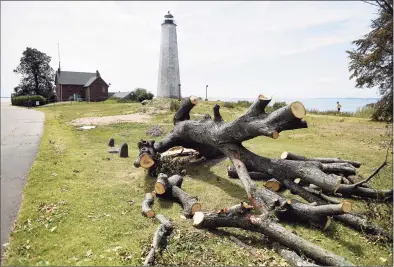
21 132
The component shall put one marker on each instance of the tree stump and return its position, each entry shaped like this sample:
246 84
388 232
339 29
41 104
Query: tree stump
124 150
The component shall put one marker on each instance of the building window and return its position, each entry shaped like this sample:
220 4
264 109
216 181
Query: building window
103 88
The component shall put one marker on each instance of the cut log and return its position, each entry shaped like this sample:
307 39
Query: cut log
339 168
216 114
189 204
165 187
183 113
146 206
290 256
162 232
309 171
348 219
258 107
162 184
111 142
232 173
323 196
292 156
272 230
124 151
273 185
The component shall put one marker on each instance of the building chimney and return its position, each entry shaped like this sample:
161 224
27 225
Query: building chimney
97 73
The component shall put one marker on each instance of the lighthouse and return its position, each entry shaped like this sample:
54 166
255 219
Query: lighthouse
169 83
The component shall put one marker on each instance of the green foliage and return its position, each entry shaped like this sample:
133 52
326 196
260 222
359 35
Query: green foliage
37 74
330 112
244 104
138 95
278 105
174 105
371 63
228 105
26 100
142 94
365 112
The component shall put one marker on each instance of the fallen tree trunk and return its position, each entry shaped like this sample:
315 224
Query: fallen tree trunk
268 227
292 156
162 232
216 138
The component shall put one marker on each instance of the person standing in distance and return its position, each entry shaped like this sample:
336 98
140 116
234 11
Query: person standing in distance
339 107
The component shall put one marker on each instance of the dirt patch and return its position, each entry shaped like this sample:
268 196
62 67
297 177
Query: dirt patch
136 117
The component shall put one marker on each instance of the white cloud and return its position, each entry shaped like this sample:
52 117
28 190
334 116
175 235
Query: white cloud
238 48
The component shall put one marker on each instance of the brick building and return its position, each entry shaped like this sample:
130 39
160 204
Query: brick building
85 85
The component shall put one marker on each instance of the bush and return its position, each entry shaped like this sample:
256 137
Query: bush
139 94
278 105
174 105
331 113
228 105
27 101
365 112
244 104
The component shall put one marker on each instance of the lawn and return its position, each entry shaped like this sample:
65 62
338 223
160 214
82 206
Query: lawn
82 205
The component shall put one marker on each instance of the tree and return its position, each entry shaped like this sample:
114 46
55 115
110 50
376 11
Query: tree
315 180
142 94
371 62
37 74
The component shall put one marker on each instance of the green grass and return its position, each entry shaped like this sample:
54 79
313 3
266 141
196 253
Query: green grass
81 205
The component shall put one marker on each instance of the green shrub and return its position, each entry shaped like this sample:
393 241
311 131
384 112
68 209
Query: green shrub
278 105
174 105
330 112
228 105
244 104
365 112
27 100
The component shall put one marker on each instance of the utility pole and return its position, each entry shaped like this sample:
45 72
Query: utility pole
179 97
206 93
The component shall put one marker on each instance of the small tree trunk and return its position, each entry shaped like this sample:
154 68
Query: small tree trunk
271 229
290 256
146 206
124 151
162 231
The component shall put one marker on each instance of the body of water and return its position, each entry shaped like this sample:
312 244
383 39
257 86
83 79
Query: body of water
321 104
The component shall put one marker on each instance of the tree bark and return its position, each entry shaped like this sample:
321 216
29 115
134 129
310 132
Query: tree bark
292 156
232 173
183 113
272 230
166 187
146 206
290 256
162 232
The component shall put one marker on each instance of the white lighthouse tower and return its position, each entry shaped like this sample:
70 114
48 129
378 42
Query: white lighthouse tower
169 81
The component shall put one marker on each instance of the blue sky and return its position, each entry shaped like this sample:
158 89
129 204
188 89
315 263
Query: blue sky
240 49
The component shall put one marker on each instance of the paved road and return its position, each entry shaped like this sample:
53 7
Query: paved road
21 131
